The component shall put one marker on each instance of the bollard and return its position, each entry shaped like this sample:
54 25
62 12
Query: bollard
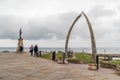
40 54
53 55
97 62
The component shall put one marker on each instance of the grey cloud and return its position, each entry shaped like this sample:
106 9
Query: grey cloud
50 27
116 24
36 28
101 11
118 7
7 25
100 18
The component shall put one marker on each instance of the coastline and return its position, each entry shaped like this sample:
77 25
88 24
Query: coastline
100 50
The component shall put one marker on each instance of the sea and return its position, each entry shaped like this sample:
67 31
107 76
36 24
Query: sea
100 50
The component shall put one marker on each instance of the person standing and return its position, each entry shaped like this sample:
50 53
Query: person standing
21 50
36 50
31 50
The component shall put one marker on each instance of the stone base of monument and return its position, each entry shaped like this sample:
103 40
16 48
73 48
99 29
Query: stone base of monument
20 43
118 68
66 62
92 66
60 61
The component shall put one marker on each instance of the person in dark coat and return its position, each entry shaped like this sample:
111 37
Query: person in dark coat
21 50
36 50
31 50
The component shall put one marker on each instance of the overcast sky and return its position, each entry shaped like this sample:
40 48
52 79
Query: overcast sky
46 22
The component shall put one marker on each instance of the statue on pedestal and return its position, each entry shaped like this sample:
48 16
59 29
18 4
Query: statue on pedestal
20 33
20 41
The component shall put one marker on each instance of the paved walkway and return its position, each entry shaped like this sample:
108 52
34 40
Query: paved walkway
23 67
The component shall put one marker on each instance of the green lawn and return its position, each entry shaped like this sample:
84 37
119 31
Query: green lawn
83 58
46 56
117 62
49 56
79 57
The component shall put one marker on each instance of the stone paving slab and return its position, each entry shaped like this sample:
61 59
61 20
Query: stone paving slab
24 67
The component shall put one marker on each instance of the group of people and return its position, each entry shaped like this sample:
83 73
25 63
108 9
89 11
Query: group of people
32 49
35 50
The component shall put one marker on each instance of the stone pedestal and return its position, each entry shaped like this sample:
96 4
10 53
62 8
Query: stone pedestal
20 43
92 66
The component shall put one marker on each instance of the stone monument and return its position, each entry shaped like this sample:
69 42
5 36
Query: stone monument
20 41
93 43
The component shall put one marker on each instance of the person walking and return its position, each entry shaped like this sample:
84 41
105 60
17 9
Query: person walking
36 50
31 50
21 50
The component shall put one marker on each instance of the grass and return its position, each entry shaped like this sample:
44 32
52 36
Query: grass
46 56
113 62
82 58
49 56
116 62
79 57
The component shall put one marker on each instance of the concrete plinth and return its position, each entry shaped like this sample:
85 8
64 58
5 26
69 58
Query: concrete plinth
20 43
